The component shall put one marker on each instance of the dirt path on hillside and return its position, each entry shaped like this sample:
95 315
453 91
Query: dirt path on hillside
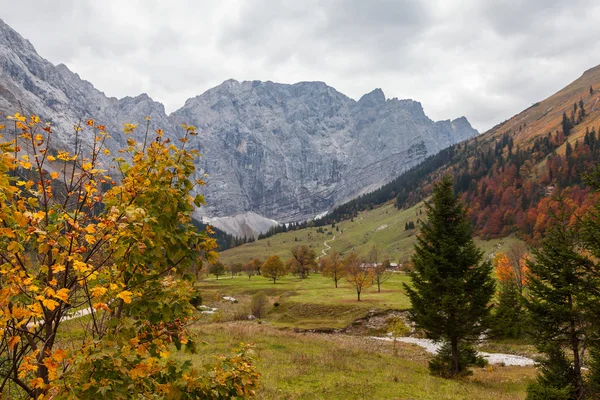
328 247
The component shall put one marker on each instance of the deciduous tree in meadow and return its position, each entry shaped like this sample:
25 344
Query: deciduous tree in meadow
303 261
381 273
274 268
333 267
249 270
357 273
257 263
217 269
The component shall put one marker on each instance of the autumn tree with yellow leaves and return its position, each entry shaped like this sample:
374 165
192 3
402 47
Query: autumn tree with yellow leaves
112 240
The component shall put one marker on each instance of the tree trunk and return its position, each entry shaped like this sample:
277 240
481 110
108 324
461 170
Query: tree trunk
335 280
358 293
576 359
378 287
454 348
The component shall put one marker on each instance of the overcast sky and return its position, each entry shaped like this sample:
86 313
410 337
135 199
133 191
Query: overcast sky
486 60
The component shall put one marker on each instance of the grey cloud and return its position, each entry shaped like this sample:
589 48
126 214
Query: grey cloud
486 60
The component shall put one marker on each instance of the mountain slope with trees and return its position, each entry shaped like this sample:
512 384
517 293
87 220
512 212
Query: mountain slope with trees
506 175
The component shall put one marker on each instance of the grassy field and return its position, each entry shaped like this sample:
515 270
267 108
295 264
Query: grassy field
317 366
305 303
382 226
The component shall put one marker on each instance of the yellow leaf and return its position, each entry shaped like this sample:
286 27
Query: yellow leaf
36 309
90 229
13 247
54 175
63 294
80 266
7 232
125 296
59 355
38 383
98 291
26 165
87 166
106 151
90 239
128 128
58 268
90 122
51 158
17 116
50 304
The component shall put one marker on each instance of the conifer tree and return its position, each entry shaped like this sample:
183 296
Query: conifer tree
451 285
591 241
509 318
556 300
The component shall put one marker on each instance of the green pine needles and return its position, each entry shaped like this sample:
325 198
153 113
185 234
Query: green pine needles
452 287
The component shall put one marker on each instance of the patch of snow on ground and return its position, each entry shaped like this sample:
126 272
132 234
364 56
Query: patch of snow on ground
493 358
382 227
207 310
229 298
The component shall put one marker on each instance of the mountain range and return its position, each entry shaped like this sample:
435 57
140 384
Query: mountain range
272 152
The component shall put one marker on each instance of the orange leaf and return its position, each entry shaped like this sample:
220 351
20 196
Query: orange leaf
13 341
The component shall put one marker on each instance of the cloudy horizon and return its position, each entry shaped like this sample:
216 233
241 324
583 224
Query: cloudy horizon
484 60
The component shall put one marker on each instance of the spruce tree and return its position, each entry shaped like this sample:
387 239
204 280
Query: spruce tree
591 242
556 301
452 285
509 318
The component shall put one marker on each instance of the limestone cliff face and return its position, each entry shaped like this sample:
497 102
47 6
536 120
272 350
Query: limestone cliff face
289 152
285 152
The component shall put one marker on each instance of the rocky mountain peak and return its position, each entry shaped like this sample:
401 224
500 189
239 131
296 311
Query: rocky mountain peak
372 99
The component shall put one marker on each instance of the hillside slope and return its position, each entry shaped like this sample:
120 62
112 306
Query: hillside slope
546 116
383 227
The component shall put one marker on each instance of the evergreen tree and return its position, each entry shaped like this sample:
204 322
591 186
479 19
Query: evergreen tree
508 320
567 125
591 241
556 301
451 285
